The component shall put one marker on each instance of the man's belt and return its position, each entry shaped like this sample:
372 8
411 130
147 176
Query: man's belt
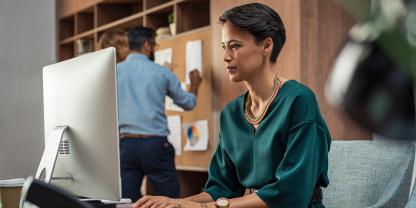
138 136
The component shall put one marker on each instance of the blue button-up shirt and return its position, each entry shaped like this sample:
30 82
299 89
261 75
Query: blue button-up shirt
142 87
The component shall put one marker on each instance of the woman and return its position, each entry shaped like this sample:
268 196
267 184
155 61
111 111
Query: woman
116 39
273 140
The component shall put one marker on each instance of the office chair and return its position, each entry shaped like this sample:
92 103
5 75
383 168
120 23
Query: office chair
46 195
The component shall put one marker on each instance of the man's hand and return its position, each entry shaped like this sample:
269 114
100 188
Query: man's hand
169 66
196 80
195 77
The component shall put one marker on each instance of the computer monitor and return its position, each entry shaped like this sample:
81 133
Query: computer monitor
80 115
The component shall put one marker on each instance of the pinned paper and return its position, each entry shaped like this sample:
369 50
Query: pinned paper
193 58
196 135
175 137
163 56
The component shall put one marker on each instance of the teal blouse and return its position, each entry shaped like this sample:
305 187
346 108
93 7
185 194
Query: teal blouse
284 159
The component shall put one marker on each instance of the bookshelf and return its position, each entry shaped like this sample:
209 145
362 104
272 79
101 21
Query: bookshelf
81 23
85 22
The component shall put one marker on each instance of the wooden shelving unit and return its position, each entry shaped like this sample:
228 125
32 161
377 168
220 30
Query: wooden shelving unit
192 15
110 11
158 18
97 16
84 20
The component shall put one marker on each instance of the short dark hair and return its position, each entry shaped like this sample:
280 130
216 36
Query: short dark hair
138 36
261 21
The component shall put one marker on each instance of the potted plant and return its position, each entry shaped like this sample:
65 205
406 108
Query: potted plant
172 25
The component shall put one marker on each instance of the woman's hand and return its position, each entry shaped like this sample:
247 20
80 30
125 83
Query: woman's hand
156 202
164 202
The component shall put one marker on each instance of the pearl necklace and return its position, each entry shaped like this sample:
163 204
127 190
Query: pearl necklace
252 119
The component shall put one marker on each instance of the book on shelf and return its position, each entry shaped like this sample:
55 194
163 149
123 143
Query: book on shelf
85 45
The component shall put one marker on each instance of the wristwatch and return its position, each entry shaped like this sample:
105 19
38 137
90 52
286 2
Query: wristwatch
222 203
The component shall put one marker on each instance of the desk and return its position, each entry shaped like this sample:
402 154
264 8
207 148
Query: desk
101 205
10 196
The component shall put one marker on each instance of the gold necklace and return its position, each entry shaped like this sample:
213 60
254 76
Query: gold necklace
251 118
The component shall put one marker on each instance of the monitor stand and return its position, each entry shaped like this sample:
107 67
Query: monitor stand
47 163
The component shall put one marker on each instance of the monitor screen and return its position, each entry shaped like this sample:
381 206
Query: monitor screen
81 93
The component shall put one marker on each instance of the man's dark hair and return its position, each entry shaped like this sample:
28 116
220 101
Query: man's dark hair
259 20
138 36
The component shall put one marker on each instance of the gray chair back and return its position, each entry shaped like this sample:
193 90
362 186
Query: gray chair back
412 201
369 174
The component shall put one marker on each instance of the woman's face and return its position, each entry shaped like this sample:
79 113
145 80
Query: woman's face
243 57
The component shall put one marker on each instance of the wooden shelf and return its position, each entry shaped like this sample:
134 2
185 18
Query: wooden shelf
110 11
82 35
124 23
158 18
94 19
149 4
66 51
84 20
191 15
67 27
68 40
85 34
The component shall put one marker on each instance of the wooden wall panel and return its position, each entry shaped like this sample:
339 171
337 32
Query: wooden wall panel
324 28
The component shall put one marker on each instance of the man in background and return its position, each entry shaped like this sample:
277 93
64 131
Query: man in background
142 87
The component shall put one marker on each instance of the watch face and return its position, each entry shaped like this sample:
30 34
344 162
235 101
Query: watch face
222 203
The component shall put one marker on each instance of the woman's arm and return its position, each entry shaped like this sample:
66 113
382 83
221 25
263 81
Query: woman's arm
195 201
202 197
247 201
162 201
251 200
202 200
